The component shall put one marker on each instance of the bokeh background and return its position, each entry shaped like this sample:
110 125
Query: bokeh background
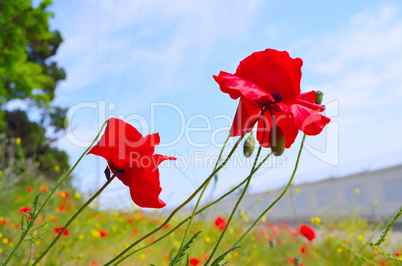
153 61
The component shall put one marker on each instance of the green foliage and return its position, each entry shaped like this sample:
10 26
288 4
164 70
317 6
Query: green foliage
27 72
222 256
34 145
389 226
178 257
383 236
26 44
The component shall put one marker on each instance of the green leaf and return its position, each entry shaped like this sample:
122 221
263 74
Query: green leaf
38 227
22 223
35 202
42 235
178 257
389 226
222 256
188 261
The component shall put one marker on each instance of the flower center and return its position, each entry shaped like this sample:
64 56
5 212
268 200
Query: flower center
277 97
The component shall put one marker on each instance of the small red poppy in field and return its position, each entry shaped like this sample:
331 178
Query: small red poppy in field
3 221
132 157
194 261
220 223
307 232
25 210
59 229
102 233
43 188
29 189
64 195
94 263
270 79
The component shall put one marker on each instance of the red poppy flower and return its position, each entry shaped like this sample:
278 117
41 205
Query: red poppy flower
194 261
29 189
102 233
63 195
43 188
271 79
220 223
59 229
307 232
126 150
25 210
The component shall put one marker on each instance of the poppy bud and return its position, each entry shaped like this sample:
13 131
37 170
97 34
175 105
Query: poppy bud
272 243
297 261
277 140
248 146
318 97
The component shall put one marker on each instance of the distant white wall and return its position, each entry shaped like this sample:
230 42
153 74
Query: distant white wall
380 195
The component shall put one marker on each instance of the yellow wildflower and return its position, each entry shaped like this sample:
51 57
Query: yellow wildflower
316 220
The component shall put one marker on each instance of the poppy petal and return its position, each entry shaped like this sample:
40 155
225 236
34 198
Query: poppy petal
282 120
236 86
273 71
145 187
245 115
307 120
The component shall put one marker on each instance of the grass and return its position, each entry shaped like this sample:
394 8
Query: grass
97 236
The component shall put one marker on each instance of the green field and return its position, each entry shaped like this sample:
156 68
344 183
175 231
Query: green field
97 236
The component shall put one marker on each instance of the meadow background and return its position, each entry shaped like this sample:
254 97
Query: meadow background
66 67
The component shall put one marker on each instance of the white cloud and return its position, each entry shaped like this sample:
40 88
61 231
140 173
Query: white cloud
361 63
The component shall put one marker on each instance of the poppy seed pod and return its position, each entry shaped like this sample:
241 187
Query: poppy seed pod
297 261
249 145
277 140
319 95
272 243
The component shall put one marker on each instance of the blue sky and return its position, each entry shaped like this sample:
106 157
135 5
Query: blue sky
131 55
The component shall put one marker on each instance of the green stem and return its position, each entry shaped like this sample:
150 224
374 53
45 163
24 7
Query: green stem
199 211
241 196
196 205
34 217
277 199
292 204
370 262
187 200
75 216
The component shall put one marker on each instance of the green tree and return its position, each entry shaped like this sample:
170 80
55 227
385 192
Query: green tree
27 72
26 47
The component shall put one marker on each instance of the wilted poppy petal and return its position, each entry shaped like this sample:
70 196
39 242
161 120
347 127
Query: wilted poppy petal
145 187
245 115
160 158
130 156
308 96
119 138
307 120
236 87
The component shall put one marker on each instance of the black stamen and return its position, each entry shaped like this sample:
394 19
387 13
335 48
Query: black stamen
277 97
